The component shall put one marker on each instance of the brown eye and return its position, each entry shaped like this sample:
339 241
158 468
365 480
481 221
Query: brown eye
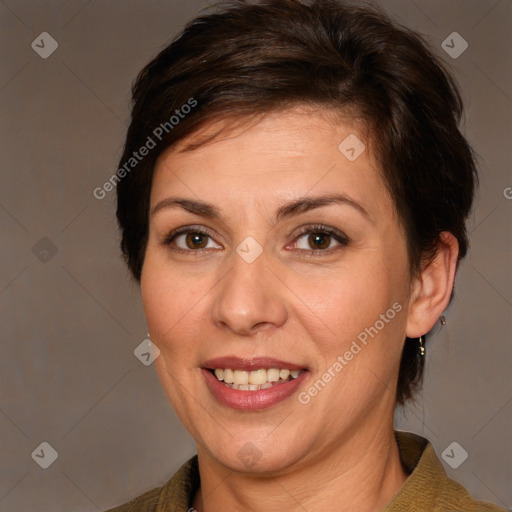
319 241
190 240
196 240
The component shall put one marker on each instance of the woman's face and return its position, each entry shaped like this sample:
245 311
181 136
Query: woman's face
264 275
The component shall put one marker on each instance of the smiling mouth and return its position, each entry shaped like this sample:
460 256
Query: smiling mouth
254 380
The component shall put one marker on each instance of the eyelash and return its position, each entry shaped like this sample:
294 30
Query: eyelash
316 229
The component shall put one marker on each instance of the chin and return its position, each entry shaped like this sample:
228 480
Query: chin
256 454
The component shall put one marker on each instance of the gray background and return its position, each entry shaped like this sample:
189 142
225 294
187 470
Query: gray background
71 320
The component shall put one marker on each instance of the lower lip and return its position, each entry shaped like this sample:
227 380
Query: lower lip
252 400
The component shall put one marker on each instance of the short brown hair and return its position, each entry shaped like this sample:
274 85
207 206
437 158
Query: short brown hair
248 59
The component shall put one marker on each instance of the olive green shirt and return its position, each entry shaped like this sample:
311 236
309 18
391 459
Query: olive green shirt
427 489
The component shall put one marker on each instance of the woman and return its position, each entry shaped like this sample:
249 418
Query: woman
292 199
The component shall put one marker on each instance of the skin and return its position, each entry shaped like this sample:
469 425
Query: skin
338 451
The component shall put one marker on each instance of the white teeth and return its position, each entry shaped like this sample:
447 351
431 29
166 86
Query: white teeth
241 377
228 376
272 374
255 380
258 376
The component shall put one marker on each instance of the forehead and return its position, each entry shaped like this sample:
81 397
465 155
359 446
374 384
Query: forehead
296 125
281 155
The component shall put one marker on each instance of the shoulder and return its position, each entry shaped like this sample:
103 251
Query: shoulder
146 502
428 488
454 497
176 494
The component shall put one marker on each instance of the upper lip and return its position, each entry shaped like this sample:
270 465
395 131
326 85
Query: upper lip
254 363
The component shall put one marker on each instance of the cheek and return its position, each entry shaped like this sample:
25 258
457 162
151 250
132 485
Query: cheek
359 308
157 301
352 298
164 298
174 305
171 319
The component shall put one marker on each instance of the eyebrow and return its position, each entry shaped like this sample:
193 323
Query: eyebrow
296 207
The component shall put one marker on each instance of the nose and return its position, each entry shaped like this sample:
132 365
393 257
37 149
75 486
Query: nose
250 298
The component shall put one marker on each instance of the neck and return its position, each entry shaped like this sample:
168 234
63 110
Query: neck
362 473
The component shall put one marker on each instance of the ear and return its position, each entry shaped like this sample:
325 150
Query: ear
433 287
